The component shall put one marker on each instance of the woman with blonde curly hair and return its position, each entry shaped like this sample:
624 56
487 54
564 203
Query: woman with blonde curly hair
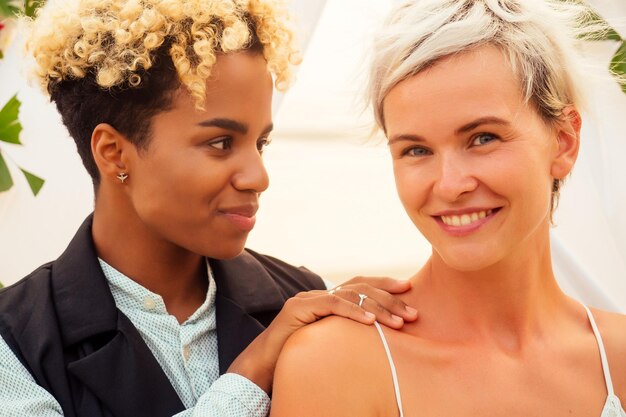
155 308
479 100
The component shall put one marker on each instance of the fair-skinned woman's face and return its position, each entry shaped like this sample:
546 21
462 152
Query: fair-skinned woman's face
197 185
473 163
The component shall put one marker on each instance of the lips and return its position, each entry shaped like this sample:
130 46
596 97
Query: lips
247 210
242 217
466 218
466 221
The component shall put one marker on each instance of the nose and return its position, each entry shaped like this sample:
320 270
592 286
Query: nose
251 174
455 178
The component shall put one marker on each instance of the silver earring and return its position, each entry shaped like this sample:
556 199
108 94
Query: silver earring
122 176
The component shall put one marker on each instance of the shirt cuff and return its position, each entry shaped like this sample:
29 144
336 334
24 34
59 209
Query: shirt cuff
244 397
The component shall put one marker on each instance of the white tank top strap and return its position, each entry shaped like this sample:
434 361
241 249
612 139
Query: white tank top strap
394 375
605 362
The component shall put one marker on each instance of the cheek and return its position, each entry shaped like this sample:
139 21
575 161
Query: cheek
412 187
174 183
524 180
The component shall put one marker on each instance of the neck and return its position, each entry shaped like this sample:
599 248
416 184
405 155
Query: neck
130 246
509 302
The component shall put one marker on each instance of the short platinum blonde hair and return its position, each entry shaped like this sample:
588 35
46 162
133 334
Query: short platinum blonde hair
116 41
539 38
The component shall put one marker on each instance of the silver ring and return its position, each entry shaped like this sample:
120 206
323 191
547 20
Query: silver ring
334 290
362 298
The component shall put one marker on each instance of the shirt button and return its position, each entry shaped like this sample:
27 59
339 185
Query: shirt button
186 353
149 303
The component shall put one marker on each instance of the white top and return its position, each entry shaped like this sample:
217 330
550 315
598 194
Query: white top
612 406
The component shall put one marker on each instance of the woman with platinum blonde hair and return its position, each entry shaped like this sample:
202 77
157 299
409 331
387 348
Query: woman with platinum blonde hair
156 308
480 102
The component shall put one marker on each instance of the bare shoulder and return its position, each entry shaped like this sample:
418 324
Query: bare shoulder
612 327
331 364
332 336
334 349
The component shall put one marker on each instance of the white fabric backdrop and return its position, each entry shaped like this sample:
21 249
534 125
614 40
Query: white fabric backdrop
332 204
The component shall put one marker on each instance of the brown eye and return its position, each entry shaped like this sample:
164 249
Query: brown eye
222 144
262 143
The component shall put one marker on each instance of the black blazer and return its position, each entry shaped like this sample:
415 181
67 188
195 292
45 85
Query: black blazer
62 323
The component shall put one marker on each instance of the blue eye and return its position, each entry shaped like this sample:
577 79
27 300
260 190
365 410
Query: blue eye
417 151
483 139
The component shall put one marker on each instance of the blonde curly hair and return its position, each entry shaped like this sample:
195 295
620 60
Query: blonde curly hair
116 41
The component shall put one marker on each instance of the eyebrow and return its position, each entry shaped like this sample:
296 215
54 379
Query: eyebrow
233 125
488 120
463 129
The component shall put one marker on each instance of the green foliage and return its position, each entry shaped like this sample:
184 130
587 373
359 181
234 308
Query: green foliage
6 182
12 8
8 8
30 7
618 64
10 126
10 129
34 181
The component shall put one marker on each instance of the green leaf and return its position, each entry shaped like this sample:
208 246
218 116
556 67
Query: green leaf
618 64
6 182
609 35
7 9
1 286
10 126
612 35
31 6
34 181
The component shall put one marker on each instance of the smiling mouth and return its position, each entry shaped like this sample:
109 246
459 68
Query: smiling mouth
467 219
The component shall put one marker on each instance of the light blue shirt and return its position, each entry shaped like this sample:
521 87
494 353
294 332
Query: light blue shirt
187 353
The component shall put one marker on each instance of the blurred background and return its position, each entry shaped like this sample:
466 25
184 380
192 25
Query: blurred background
332 204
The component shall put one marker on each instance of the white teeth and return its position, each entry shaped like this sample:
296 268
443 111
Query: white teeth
465 219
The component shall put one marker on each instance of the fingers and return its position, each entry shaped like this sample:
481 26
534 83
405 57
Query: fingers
308 307
390 285
388 309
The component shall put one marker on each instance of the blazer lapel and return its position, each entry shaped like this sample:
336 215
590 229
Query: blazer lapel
244 289
126 377
105 351
235 330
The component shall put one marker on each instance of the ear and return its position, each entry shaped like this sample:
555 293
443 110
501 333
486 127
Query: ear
107 147
568 143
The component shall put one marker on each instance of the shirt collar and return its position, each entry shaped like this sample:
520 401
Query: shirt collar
130 295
